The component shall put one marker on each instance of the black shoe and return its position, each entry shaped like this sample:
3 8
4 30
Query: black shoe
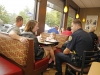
50 65
58 73
54 66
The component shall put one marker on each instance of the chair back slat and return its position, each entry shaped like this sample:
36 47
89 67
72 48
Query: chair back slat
92 56
88 58
89 61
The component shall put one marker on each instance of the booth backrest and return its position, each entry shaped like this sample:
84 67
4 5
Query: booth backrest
21 55
60 38
13 49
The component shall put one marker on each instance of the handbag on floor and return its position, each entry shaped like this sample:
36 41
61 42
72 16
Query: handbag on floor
40 53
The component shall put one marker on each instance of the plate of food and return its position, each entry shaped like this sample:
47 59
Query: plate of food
52 41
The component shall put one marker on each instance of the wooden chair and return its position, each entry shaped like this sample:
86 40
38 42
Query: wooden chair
87 58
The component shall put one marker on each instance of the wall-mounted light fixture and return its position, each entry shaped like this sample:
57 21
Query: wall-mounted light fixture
83 20
65 9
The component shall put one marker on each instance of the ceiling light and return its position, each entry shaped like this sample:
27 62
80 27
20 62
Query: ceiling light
77 15
65 9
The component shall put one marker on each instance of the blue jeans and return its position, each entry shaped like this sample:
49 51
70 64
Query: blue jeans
60 58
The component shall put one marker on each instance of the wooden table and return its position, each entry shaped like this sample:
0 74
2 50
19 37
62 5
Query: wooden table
48 43
94 69
44 42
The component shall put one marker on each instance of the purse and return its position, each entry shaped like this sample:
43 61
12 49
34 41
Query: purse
40 53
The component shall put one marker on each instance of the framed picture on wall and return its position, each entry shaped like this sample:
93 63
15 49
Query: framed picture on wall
91 20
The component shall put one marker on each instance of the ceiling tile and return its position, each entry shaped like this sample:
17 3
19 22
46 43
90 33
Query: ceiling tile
79 3
96 3
87 3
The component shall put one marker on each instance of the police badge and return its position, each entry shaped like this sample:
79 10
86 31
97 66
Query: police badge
70 38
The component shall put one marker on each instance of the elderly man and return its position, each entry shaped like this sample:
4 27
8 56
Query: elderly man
78 41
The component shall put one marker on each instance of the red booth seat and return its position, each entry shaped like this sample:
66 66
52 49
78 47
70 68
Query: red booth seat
7 68
39 63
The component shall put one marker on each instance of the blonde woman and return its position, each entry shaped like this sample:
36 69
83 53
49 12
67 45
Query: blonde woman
92 29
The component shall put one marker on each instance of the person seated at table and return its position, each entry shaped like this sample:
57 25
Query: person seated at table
14 31
94 36
67 32
54 29
77 43
52 37
29 31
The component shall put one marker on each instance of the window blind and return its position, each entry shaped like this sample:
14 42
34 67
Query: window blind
56 4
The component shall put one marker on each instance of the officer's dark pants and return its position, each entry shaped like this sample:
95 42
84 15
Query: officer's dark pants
60 58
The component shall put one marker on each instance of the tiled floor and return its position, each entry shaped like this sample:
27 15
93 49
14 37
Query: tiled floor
53 70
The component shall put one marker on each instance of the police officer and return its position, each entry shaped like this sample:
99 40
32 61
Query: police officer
78 41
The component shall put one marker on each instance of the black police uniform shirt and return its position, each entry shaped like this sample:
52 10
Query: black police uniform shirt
80 41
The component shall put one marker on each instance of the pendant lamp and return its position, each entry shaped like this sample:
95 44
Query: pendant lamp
65 9
77 15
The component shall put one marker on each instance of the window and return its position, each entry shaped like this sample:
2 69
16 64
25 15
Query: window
9 9
53 15
56 4
71 15
69 21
